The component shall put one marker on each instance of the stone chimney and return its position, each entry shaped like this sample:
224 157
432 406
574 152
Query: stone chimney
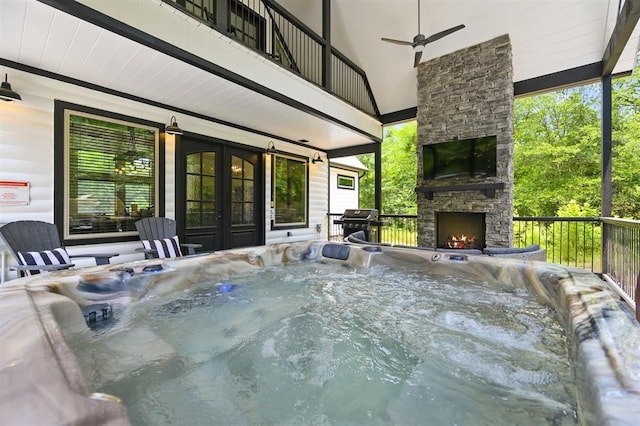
463 95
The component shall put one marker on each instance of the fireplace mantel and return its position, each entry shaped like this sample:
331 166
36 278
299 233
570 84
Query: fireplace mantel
489 189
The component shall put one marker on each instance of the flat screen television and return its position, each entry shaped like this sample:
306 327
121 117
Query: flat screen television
475 157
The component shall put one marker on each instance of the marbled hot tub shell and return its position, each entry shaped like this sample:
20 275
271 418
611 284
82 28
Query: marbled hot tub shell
42 382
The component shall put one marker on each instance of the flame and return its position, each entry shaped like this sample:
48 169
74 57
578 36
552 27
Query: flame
461 241
463 238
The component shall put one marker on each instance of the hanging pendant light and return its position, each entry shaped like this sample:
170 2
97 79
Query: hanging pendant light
271 148
173 129
6 93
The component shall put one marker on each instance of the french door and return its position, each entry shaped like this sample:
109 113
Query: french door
219 194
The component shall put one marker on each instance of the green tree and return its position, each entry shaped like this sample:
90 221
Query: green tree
367 182
626 147
557 151
557 155
399 170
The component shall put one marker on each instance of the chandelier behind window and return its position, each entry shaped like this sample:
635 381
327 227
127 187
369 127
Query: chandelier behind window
131 161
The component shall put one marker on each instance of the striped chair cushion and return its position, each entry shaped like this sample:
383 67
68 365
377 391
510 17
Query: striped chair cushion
168 247
57 256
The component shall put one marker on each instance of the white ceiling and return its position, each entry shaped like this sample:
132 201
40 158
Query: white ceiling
547 36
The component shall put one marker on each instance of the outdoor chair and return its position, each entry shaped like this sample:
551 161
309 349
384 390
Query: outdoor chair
160 239
37 248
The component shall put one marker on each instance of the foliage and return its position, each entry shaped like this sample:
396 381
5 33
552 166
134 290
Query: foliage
626 147
557 155
556 151
399 171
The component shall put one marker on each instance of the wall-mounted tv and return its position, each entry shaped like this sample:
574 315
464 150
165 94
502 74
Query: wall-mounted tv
475 157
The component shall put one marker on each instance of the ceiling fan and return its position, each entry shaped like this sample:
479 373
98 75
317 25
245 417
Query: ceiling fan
420 40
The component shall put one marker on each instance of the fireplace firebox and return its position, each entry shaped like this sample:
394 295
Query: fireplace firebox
460 230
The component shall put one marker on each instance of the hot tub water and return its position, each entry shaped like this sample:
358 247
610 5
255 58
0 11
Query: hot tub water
322 343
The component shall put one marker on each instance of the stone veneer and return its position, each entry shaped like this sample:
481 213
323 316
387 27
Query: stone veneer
467 94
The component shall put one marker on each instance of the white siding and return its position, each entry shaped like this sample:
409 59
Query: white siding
26 154
342 199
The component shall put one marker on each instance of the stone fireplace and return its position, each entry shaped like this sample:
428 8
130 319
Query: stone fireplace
467 94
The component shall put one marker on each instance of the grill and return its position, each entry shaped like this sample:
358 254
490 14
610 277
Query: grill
366 220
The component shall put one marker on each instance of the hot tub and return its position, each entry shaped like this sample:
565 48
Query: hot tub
46 382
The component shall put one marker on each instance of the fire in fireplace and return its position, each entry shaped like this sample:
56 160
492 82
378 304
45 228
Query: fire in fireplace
460 230
461 242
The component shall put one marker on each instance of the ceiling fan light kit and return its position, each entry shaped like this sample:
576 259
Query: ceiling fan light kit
420 40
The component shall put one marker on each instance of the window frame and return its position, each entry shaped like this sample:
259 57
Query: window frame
289 225
351 187
248 16
62 110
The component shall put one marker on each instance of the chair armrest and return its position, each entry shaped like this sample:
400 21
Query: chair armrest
42 267
146 250
191 247
101 258
148 253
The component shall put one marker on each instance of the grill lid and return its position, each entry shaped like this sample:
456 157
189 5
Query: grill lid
360 214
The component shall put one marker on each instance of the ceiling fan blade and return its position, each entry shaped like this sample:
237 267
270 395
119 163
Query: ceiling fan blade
438 36
416 58
390 40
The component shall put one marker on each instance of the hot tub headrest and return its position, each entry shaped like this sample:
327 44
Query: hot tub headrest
510 250
336 251
357 237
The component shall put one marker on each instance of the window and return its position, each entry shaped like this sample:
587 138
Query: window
346 182
289 189
247 26
203 9
110 174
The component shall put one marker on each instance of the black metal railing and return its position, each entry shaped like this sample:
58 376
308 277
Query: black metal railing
570 241
350 83
621 254
295 46
606 246
268 28
399 229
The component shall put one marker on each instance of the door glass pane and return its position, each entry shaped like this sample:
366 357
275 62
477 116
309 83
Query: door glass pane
209 163
236 213
248 213
208 188
208 214
248 191
193 163
193 187
236 190
248 170
236 167
193 214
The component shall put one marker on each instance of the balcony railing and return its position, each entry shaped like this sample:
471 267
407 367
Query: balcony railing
268 28
606 246
621 255
570 241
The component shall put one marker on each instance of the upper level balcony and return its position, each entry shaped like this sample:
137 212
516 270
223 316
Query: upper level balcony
247 64
270 30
